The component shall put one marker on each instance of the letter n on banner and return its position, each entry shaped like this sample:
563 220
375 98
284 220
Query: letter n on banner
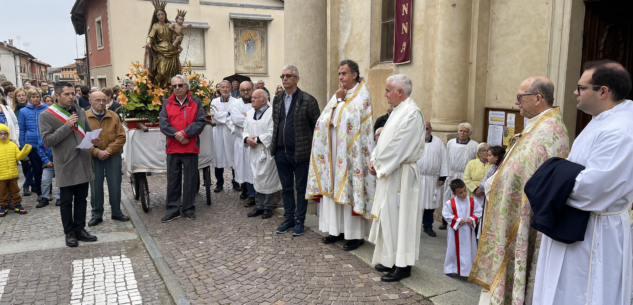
402 40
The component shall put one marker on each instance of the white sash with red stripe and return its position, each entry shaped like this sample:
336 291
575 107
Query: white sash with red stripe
61 114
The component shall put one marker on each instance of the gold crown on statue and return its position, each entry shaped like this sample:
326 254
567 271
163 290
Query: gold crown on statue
182 13
159 5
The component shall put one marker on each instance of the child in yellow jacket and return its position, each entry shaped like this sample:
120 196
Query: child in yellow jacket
10 154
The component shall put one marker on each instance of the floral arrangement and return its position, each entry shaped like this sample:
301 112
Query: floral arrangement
200 87
139 98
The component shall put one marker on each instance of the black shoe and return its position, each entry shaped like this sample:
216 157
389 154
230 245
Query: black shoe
382 268
243 195
430 232
95 221
218 188
26 192
249 202
122 218
169 218
267 214
43 203
39 198
57 202
255 212
353 244
83 235
71 240
236 186
442 227
330 239
190 216
397 275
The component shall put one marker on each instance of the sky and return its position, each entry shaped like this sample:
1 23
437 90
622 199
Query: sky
45 25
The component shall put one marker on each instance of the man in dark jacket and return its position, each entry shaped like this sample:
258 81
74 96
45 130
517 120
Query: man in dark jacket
182 121
295 114
381 121
84 99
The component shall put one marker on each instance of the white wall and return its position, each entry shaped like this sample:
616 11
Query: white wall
7 65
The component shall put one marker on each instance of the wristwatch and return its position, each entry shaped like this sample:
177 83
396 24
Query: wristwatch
339 100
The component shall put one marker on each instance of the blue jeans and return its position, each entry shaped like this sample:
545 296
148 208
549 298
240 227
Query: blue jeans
293 175
427 219
47 182
250 189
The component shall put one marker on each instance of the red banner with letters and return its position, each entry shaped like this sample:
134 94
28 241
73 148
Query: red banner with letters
402 38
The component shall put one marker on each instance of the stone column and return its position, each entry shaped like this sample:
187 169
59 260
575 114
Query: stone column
452 51
305 40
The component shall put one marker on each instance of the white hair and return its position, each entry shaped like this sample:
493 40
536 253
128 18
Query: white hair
225 81
183 78
294 69
468 126
379 130
401 81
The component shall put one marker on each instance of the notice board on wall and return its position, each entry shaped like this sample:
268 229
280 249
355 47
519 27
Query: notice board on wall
500 125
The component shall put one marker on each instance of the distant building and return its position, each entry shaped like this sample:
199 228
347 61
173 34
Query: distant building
19 66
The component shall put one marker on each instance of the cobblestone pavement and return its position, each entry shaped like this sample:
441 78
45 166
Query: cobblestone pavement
223 257
115 270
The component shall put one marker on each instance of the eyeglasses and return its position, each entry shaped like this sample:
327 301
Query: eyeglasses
101 101
580 87
245 90
4 134
177 86
519 96
286 76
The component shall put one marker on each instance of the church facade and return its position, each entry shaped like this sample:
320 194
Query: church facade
467 57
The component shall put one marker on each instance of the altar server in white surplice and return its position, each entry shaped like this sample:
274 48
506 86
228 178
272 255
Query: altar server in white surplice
241 164
459 152
397 207
462 213
596 270
258 135
433 172
338 174
223 140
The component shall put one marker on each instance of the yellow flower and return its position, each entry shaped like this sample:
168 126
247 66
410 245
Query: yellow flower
122 99
135 64
132 72
136 89
204 83
141 66
158 92
156 101
206 100
199 92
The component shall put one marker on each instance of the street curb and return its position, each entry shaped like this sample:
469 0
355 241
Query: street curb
169 278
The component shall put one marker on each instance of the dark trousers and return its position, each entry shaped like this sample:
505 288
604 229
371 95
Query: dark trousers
73 222
33 172
110 169
427 219
219 175
179 189
293 175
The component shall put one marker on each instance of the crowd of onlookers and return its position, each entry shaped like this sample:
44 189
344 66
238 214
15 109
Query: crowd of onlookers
22 143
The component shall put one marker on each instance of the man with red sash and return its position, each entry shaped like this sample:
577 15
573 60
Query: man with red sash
462 214
62 127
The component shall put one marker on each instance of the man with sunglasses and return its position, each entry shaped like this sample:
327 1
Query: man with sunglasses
182 120
596 270
295 114
508 215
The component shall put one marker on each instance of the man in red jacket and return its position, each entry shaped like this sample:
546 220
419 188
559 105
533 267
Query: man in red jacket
181 120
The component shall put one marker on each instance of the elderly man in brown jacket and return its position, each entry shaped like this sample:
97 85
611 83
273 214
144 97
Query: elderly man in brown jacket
106 158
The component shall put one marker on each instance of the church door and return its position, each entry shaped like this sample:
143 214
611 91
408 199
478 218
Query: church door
608 34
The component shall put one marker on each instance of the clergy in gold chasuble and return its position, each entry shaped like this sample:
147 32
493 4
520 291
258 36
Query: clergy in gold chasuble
508 248
346 179
397 209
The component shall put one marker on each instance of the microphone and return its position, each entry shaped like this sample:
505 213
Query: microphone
72 111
